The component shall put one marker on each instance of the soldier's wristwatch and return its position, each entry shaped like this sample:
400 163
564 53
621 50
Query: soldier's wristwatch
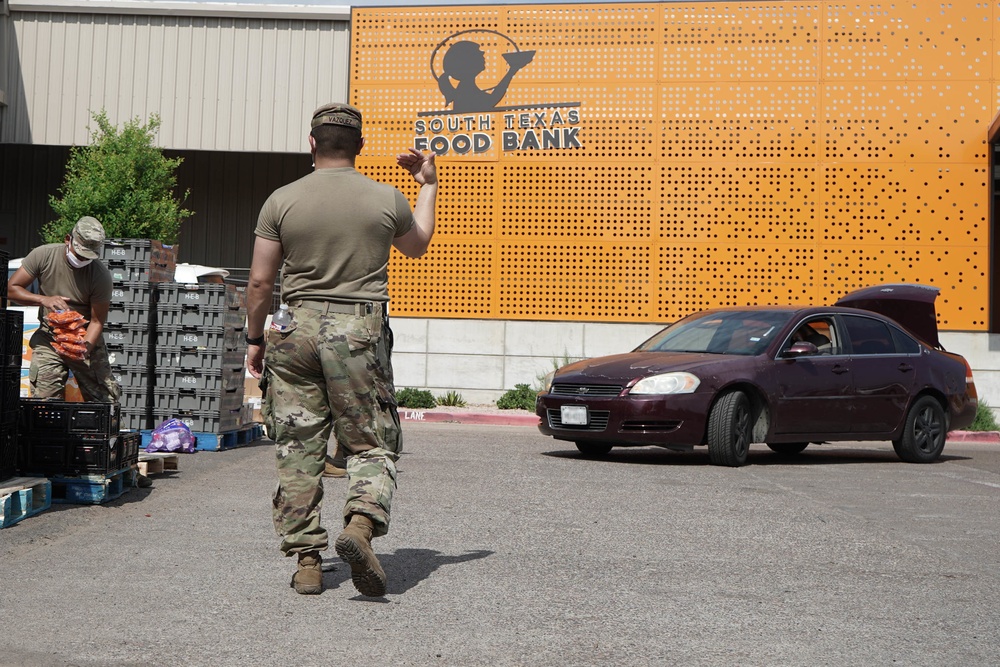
259 340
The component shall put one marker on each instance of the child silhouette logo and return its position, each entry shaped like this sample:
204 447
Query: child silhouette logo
457 64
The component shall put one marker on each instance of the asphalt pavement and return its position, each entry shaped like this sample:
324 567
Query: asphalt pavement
509 549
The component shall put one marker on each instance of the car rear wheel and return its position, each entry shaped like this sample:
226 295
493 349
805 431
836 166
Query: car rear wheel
593 448
787 448
925 432
730 429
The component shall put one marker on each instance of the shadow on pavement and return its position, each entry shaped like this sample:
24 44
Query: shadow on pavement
404 569
813 455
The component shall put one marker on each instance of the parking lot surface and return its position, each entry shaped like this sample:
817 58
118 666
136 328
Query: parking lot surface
509 549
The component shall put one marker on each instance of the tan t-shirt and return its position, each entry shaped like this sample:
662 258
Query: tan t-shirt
81 287
336 228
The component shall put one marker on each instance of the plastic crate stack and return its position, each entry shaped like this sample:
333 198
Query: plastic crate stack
11 333
200 356
136 266
66 439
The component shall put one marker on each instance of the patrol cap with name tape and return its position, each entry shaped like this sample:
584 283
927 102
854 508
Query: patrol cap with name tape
87 237
337 113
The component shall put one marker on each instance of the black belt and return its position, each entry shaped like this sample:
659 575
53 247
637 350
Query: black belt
357 309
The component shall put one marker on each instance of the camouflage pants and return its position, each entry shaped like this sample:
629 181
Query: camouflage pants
49 372
330 372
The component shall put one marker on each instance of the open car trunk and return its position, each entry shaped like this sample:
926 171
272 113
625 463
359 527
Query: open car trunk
911 305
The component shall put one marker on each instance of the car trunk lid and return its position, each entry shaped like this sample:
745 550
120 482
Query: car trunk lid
911 305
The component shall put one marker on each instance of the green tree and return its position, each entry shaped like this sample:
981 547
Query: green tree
124 181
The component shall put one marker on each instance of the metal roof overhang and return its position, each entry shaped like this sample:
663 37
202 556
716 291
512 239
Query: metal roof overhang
222 9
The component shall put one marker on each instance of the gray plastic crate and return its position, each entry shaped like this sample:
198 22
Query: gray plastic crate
215 379
132 376
128 355
137 399
131 313
192 357
128 334
210 338
136 419
138 250
204 421
131 292
137 272
182 315
198 399
197 294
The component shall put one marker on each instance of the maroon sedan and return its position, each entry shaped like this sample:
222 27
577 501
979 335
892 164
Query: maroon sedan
785 376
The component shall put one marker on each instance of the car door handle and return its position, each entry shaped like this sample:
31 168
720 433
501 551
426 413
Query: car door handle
839 370
905 368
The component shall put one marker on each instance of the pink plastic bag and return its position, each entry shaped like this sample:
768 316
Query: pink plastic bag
172 435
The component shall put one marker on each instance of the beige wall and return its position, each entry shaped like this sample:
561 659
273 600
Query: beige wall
218 83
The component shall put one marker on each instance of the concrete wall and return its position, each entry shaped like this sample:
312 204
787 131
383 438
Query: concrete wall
481 359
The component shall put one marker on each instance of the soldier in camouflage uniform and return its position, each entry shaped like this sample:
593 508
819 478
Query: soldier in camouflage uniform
329 371
69 279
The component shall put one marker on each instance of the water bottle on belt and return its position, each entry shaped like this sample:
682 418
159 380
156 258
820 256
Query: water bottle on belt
281 319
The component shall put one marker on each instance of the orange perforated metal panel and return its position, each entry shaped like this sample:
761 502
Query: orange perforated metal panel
639 162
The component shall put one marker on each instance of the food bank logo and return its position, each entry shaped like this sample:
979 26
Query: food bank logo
474 70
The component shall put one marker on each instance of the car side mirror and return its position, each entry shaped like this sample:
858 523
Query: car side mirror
801 349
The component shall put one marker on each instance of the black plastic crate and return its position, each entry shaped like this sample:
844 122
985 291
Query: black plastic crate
11 337
4 259
78 455
60 418
10 394
8 451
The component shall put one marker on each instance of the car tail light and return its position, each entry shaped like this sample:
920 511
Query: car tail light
970 384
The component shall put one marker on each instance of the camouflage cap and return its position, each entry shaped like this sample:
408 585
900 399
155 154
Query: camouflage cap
337 113
88 237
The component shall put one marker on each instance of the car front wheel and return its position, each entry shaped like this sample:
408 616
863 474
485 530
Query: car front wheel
593 448
730 429
924 434
787 448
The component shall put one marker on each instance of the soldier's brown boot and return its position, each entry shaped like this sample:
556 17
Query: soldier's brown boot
308 579
333 470
354 545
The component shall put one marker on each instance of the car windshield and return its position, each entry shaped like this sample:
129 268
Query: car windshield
745 332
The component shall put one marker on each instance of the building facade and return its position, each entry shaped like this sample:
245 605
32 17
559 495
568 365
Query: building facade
606 168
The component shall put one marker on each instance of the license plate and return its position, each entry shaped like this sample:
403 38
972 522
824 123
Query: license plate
574 415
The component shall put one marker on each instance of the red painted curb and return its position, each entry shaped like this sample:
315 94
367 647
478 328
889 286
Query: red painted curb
986 437
519 418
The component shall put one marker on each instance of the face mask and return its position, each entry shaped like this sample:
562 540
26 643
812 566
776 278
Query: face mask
75 261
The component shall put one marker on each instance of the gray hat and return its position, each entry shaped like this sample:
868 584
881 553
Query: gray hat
337 113
88 237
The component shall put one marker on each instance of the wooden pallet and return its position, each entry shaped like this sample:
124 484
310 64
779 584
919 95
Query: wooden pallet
152 463
92 489
21 497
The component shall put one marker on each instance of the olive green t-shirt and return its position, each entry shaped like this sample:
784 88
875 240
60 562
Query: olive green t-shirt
336 228
81 287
